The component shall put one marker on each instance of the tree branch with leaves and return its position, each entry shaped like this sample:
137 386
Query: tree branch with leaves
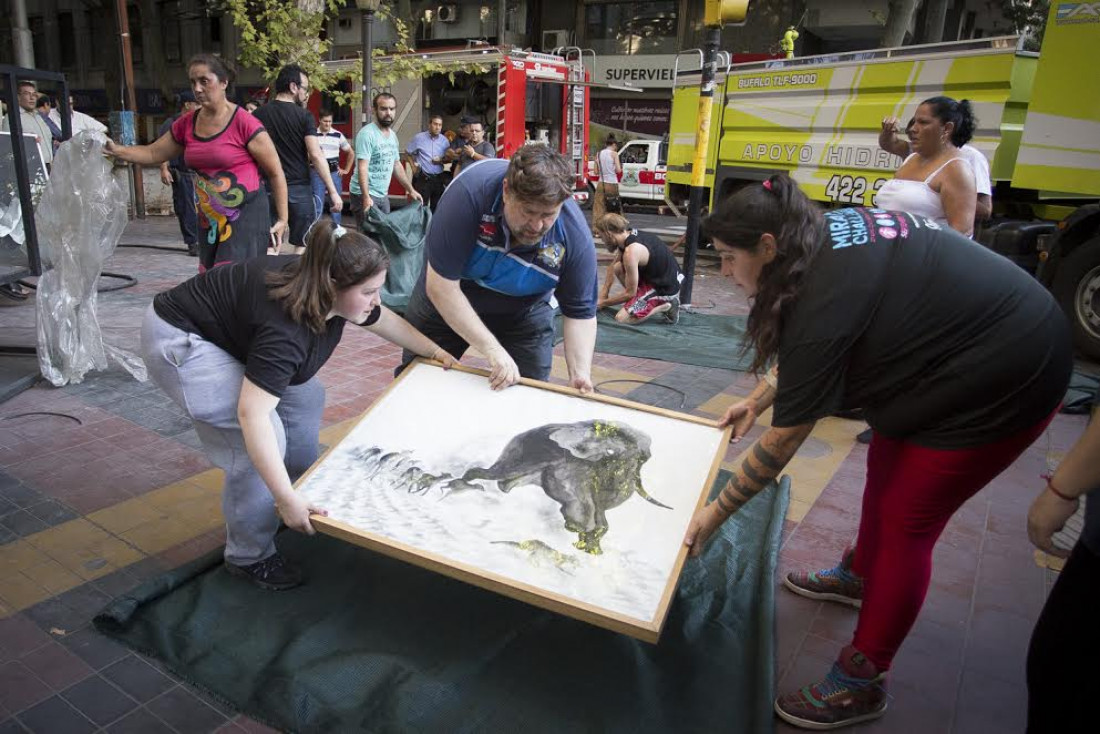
274 33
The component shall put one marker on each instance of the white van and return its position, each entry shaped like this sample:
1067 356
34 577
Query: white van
643 176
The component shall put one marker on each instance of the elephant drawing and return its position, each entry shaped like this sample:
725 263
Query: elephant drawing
587 467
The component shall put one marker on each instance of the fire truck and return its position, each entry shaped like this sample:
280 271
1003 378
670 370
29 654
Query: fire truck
522 97
818 118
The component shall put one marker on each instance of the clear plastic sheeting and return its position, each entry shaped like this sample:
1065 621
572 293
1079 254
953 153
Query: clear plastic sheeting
80 219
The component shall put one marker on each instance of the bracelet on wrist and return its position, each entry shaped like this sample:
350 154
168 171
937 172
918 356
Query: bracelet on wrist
1059 494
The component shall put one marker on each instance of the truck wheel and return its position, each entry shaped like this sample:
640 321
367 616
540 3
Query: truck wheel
1077 289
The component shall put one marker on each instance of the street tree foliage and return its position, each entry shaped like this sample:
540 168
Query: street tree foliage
1029 19
274 33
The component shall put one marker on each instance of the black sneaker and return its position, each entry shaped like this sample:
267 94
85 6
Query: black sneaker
193 250
274 573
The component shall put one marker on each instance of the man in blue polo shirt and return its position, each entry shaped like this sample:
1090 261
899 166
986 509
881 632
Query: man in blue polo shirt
506 237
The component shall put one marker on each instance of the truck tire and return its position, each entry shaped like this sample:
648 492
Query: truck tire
1077 289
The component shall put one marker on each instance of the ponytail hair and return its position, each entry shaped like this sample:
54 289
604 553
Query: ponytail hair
779 208
335 259
957 112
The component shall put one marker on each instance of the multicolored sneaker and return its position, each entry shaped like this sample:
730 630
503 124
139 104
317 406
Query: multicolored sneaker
837 584
853 691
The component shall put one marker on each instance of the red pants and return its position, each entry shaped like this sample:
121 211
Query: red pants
911 493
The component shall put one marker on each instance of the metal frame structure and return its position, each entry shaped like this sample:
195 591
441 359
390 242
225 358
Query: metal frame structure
12 76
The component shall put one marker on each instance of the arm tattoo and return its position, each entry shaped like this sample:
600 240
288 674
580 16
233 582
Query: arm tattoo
724 503
752 475
766 458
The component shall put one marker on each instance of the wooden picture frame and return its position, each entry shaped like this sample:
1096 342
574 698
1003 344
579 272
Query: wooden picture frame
444 473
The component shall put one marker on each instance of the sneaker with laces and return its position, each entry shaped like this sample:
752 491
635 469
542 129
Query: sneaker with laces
852 692
673 314
837 584
274 573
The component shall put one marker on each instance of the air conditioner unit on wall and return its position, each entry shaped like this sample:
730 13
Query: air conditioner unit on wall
555 39
447 13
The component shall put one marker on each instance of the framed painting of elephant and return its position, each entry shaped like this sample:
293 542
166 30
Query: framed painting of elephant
575 504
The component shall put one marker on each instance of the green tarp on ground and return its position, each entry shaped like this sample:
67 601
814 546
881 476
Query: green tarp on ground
371 644
704 340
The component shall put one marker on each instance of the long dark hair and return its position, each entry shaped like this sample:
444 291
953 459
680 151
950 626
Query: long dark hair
307 287
779 208
958 112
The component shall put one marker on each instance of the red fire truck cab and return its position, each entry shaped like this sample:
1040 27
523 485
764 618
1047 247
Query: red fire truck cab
522 97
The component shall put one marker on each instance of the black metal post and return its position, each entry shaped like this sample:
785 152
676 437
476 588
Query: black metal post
368 63
699 165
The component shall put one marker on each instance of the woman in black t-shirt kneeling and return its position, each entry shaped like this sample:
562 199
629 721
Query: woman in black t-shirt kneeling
958 358
238 348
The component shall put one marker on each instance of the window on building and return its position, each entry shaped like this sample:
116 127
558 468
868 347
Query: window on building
170 30
631 27
133 19
66 32
37 25
99 27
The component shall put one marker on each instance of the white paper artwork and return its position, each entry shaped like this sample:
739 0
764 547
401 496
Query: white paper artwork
529 485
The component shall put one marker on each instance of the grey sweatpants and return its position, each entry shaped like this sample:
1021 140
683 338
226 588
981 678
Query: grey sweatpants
205 381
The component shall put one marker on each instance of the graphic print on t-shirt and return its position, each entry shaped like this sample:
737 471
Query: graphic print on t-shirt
220 199
849 227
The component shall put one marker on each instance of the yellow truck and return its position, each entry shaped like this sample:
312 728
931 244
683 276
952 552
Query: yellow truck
818 118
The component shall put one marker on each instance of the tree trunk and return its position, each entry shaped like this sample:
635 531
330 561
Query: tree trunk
898 21
935 15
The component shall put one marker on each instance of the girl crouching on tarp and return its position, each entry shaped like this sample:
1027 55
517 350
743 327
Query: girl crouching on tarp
239 348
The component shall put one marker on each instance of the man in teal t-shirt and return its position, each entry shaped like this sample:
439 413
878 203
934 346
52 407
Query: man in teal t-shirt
378 158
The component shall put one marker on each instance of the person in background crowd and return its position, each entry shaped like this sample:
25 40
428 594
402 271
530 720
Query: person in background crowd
889 141
608 170
33 124
426 152
646 269
332 143
239 348
1066 642
477 148
45 106
176 174
251 106
378 160
225 147
958 357
507 237
927 184
78 120
294 133
459 141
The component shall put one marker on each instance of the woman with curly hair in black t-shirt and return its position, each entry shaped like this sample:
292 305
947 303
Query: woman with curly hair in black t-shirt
239 347
958 358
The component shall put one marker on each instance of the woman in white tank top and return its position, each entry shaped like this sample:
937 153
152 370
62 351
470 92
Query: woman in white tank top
936 181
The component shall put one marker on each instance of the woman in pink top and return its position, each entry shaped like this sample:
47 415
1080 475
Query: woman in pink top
226 148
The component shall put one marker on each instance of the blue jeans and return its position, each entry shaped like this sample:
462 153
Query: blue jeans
320 195
183 201
206 381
